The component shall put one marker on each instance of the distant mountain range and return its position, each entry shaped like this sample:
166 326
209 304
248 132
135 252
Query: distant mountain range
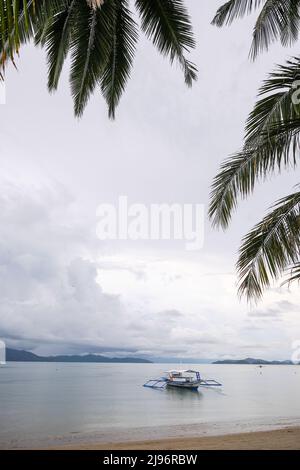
179 361
26 356
16 355
250 360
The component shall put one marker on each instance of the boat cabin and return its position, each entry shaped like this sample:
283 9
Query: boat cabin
183 376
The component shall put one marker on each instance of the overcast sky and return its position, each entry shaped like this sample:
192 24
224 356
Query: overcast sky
61 289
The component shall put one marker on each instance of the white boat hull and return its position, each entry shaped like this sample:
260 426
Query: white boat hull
185 385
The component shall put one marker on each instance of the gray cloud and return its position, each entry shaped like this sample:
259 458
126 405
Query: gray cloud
267 313
287 306
170 314
283 307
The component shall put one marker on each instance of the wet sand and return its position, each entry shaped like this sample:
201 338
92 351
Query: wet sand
280 439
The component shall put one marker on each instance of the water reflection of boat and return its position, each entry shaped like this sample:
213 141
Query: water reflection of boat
183 379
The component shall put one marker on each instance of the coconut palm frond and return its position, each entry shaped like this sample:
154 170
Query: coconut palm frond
294 274
167 23
238 174
122 51
56 38
90 50
233 9
272 142
102 43
20 20
15 27
279 19
100 36
276 101
270 247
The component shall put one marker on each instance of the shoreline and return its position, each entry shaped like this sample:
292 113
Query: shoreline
214 435
287 438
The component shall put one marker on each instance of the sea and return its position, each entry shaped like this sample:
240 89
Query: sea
49 404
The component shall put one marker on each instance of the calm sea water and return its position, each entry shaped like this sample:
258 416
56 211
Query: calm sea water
44 404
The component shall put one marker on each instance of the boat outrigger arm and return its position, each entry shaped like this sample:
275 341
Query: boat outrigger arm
187 379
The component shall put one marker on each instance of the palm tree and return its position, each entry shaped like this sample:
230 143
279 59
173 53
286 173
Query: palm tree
100 36
272 143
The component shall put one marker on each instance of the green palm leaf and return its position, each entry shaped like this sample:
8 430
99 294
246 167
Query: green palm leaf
117 69
276 104
99 35
167 23
279 19
270 247
90 51
22 20
14 27
272 142
233 9
294 274
57 38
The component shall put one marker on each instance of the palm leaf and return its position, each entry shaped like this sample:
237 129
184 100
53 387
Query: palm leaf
275 105
117 69
279 19
233 9
100 36
272 142
90 50
167 23
270 247
294 274
21 20
10 31
57 41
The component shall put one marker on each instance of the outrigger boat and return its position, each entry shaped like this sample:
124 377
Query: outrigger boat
184 379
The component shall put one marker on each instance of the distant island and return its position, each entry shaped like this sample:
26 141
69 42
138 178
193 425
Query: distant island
250 360
15 355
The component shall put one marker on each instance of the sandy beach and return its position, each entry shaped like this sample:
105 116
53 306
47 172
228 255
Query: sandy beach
280 439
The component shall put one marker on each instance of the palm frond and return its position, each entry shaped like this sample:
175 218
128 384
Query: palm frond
239 173
100 36
279 19
270 247
56 39
117 69
272 142
167 23
276 104
20 21
233 9
15 26
294 274
90 50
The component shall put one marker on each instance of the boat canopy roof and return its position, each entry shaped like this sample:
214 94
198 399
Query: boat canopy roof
185 371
